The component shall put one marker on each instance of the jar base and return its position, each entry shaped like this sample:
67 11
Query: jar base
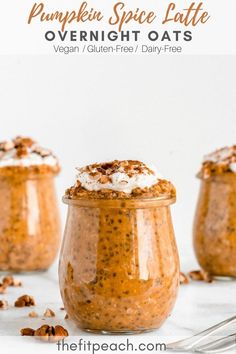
118 332
23 272
224 277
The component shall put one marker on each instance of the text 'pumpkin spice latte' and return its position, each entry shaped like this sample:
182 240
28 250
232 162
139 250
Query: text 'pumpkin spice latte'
29 220
119 268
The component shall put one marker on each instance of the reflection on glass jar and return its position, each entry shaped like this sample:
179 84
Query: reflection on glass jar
119 267
29 220
215 225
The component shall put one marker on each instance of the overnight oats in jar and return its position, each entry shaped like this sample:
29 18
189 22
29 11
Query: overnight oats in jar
29 216
215 219
119 266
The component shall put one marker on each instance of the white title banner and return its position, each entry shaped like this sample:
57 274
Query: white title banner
76 27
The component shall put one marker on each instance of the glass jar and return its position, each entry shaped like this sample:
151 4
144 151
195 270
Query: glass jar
119 266
215 225
29 219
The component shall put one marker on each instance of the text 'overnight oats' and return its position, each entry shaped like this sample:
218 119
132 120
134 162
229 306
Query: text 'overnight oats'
29 217
215 219
119 268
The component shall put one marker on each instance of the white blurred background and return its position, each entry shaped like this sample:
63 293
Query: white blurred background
169 111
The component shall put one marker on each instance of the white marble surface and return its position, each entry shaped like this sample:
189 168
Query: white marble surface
199 305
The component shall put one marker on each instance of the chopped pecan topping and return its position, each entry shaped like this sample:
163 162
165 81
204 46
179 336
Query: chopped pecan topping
10 281
104 173
95 175
27 331
51 334
3 305
201 275
104 179
49 313
33 314
25 300
218 162
41 151
183 278
130 167
20 141
24 146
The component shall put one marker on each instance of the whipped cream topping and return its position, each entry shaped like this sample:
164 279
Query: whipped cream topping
120 176
25 152
225 157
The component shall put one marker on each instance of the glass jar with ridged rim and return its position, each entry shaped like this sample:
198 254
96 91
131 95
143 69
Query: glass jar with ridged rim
119 265
30 229
214 231
29 214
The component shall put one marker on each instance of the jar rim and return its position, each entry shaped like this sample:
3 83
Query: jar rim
219 176
140 203
29 172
